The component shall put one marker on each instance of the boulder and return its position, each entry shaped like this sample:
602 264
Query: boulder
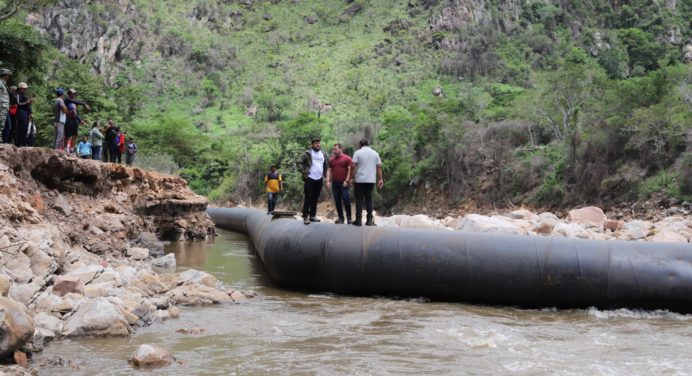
570 230
590 216
635 230
480 223
151 356
48 322
62 206
87 273
24 293
668 236
98 318
166 262
149 241
196 295
19 267
415 221
16 326
68 283
137 253
192 276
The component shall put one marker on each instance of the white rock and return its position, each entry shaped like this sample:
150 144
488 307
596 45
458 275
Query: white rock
137 253
48 322
151 356
523 214
192 276
480 223
668 236
97 317
570 230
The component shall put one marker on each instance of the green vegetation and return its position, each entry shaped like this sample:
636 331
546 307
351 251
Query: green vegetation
540 102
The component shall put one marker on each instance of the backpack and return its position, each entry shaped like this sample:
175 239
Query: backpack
13 109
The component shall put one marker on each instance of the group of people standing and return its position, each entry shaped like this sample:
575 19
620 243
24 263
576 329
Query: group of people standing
363 172
17 125
16 117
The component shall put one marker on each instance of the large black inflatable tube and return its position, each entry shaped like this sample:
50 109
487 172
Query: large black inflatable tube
527 271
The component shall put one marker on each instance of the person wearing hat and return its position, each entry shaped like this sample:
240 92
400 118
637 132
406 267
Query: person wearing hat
60 112
4 100
313 166
23 114
274 183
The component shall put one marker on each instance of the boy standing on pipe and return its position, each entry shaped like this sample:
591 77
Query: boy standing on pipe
313 166
368 167
274 183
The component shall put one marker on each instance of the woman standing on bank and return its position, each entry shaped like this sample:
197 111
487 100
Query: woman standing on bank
23 114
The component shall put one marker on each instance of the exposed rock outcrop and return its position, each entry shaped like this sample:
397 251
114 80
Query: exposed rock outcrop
78 241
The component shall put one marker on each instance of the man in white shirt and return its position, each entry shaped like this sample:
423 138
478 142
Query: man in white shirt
313 166
368 171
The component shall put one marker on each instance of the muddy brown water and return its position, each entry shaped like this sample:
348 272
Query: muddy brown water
292 333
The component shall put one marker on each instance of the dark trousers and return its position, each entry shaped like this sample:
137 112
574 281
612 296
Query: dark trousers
111 151
96 152
22 124
271 200
7 131
364 194
340 194
312 190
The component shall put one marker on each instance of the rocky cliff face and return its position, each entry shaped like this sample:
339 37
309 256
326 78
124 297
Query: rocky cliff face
101 33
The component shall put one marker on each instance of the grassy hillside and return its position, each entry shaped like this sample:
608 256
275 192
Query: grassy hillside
542 102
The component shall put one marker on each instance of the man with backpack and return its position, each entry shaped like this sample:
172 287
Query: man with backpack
313 166
60 112
111 145
274 183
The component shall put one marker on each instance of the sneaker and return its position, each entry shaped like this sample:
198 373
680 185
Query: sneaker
370 222
348 221
357 222
269 212
314 219
305 221
339 221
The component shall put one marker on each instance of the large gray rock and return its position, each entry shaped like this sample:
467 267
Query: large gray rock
148 355
16 326
19 266
24 293
138 253
196 295
192 276
165 262
97 318
149 241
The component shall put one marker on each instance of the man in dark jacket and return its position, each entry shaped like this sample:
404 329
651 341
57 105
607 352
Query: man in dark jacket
313 166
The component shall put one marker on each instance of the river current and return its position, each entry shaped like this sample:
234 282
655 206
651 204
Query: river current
291 333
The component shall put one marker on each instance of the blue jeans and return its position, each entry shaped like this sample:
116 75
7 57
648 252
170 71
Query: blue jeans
340 194
271 200
96 152
7 130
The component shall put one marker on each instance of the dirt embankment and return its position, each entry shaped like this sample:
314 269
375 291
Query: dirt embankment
81 251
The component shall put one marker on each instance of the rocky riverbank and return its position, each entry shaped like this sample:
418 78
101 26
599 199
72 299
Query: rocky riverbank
81 251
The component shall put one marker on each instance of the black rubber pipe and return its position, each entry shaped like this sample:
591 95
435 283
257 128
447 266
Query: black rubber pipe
527 271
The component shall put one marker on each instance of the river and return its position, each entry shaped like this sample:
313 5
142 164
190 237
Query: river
292 333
